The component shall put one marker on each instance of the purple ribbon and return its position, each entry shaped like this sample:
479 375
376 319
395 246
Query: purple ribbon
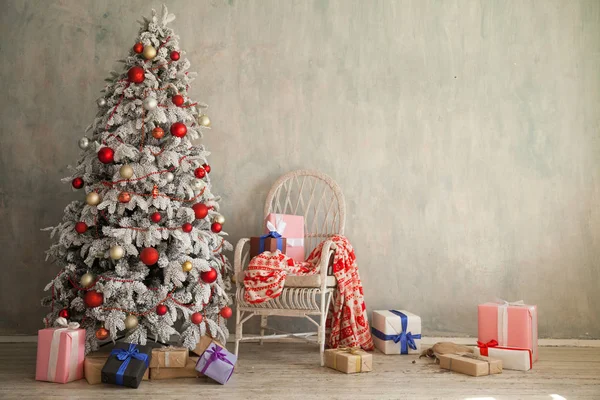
216 353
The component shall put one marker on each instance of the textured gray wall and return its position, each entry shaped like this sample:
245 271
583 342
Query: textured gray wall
464 134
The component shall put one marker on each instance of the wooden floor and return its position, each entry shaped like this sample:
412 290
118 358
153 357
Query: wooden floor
291 371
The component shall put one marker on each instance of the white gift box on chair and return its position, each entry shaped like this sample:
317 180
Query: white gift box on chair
396 331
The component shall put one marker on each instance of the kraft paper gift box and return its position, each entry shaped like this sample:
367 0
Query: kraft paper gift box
217 363
291 227
188 371
60 353
203 344
349 360
259 244
470 365
127 364
169 357
510 324
512 358
396 331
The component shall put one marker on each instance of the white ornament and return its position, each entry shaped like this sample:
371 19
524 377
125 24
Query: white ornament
101 102
84 143
169 177
197 184
150 103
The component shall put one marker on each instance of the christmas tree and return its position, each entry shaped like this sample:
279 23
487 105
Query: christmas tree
141 254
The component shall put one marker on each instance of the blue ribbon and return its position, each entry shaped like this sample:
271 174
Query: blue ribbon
273 234
406 339
125 356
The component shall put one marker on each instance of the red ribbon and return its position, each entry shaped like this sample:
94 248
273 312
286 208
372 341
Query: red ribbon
483 347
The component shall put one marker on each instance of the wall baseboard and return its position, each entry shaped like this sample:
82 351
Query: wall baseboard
426 341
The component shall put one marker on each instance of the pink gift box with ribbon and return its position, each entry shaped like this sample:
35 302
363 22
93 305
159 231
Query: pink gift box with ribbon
291 227
60 353
511 324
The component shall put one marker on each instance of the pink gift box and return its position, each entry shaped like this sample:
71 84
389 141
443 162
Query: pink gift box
60 354
291 227
510 324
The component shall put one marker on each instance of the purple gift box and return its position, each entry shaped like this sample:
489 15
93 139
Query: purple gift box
216 363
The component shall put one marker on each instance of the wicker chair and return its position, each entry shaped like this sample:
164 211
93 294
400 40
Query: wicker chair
319 199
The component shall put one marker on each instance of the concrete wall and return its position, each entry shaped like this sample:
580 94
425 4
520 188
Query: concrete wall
464 134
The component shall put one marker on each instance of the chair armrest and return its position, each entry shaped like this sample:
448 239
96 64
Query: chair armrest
327 252
237 259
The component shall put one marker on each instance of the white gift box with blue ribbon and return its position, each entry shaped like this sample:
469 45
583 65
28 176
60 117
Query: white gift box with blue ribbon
396 331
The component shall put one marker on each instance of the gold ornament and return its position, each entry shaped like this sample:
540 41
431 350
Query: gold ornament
149 52
204 120
92 199
126 171
116 252
131 322
86 279
187 266
220 219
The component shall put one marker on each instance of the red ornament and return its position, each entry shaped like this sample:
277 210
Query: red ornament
178 129
155 192
174 55
196 318
64 313
187 227
161 309
149 256
209 276
207 168
177 100
226 312
156 217
93 299
136 74
81 227
102 333
138 47
200 210
124 197
216 227
77 183
106 155
199 172
158 133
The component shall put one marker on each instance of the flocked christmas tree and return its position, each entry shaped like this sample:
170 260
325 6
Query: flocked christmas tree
141 253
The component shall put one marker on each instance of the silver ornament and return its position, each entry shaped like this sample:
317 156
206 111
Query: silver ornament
169 177
131 322
204 120
101 102
86 279
197 184
116 252
150 103
84 143
220 219
126 171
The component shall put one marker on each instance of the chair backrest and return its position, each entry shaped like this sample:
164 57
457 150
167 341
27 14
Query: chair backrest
313 195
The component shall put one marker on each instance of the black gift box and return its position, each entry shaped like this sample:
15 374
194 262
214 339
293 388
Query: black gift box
132 377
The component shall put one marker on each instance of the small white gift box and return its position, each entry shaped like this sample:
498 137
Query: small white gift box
396 331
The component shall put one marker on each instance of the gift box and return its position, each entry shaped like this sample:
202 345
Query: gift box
92 367
60 353
188 370
203 344
469 364
169 357
510 324
217 363
259 244
396 331
512 358
290 227
349 360
127 364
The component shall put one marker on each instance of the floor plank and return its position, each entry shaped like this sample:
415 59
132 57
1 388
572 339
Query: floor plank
291 371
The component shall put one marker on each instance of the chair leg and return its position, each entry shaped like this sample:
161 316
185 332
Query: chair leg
263 325
322 324
238 331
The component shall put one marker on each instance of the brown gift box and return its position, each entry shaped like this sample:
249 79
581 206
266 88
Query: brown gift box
203 344
169 357
469 364
188 371
92 367
270 245
349 360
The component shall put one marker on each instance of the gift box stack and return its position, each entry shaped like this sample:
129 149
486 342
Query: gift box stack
283 232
